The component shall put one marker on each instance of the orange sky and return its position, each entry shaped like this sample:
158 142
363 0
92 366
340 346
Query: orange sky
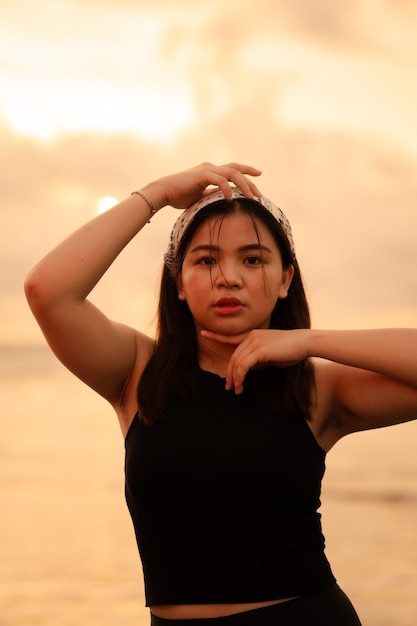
98 97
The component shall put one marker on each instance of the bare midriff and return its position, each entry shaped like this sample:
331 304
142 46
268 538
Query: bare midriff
198 611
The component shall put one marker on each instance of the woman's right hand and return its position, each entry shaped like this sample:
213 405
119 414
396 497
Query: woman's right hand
183 189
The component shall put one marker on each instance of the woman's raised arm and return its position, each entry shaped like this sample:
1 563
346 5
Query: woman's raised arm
100 352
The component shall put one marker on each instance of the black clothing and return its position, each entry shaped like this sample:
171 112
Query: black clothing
223 496
330 607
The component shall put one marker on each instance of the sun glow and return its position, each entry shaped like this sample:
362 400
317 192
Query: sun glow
105 203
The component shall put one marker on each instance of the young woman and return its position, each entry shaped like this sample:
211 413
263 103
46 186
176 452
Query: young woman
229 413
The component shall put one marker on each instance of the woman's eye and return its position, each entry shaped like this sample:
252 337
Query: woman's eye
253 260
207 260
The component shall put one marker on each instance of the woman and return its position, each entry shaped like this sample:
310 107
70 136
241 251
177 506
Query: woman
227 418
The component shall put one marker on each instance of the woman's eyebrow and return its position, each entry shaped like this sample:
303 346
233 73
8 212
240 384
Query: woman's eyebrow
255 246
205 247
247 247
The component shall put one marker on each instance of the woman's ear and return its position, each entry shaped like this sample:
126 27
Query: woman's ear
181 294
287 276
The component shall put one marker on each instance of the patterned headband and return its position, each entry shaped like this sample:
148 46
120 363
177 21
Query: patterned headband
216 196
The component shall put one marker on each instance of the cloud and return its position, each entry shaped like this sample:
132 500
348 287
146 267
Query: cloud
152 69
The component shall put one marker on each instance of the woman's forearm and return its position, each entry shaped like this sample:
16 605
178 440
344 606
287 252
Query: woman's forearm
391 352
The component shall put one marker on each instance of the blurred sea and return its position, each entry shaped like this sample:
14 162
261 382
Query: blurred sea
67 551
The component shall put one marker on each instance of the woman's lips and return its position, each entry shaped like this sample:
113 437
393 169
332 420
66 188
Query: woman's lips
227 306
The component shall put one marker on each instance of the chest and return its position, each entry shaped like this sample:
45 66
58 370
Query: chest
225 446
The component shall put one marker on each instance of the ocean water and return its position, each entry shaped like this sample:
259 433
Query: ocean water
67 549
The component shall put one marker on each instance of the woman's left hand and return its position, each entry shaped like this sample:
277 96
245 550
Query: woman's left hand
280 348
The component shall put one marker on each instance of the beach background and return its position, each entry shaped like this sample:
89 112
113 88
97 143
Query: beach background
68 554
98 98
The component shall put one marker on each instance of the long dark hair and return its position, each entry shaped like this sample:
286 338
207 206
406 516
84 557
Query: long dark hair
173 365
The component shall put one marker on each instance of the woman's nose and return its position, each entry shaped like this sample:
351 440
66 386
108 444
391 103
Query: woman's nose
228 275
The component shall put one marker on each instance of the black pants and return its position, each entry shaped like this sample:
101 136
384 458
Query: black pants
330 607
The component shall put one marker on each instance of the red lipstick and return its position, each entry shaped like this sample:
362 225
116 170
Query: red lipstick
228 306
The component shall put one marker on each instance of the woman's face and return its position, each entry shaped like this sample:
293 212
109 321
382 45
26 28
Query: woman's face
232 275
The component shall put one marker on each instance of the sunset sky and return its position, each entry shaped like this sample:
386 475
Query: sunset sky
97 97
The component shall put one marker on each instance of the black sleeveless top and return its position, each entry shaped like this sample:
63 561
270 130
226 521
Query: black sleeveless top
223 496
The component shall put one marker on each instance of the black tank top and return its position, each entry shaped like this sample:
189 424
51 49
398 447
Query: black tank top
223 496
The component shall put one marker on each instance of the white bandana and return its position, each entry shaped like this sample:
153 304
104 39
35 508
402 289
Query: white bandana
188 215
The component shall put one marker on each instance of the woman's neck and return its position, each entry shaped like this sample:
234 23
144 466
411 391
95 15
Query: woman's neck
214 357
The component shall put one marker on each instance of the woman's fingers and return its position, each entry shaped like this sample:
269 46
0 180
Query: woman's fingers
181 190
237 173
245 357
281 348
232 375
